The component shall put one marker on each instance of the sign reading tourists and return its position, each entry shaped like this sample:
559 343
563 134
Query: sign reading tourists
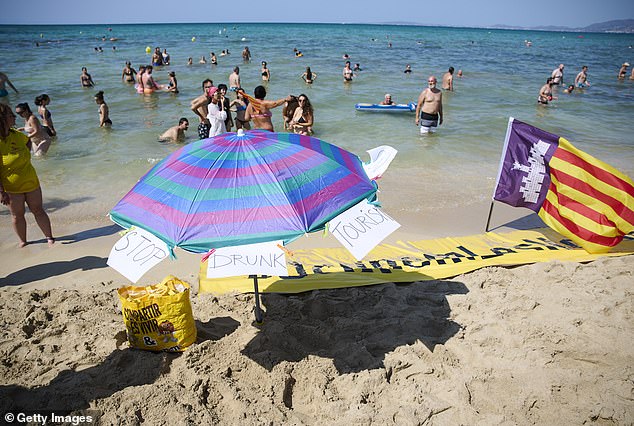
361 228
253 259
137 252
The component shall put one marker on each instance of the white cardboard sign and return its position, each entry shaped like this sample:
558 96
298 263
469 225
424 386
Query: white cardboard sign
361 228
380 159
136 253
252 259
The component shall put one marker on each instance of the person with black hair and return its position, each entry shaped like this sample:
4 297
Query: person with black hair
104 112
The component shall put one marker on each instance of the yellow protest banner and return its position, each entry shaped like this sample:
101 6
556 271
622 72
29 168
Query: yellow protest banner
410 261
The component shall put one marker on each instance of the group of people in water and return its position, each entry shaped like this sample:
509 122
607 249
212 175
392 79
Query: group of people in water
556 78
213 109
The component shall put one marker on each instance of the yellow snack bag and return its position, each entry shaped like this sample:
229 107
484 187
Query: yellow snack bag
159 317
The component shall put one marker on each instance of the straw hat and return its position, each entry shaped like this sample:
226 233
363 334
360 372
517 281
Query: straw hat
626 64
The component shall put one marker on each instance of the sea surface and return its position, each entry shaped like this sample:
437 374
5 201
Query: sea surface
88 169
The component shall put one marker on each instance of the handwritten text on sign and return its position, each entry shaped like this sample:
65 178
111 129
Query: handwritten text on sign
136 253
253 259
361 228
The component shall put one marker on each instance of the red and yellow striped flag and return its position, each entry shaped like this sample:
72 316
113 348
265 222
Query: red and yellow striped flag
575 194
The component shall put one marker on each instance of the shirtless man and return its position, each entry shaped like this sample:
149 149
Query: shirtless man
447 80
546 92
246 54
157 58
581 80
430 102
3 90
176 133
234 80
387 100
558 75
200 107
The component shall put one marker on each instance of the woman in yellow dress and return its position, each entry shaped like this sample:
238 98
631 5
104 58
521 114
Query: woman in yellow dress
19 185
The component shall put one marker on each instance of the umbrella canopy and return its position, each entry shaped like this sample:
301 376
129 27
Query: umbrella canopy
244 188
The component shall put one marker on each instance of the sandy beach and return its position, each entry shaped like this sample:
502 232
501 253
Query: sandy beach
547 343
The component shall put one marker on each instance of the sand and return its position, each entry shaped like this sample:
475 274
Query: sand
548 343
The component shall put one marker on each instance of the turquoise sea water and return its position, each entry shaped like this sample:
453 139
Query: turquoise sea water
88 168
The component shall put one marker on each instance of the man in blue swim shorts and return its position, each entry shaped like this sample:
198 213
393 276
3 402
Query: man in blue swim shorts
581 80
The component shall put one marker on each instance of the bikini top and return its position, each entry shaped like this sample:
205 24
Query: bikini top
265 114
46 116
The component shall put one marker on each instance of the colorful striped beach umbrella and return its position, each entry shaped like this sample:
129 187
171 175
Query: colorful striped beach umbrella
244 188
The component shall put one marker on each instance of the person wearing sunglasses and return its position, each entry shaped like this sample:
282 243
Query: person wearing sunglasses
302 121
429 107
40 141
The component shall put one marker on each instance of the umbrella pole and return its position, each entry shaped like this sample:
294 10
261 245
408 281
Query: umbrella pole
258 311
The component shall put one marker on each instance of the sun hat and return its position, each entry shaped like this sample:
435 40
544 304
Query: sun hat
211 91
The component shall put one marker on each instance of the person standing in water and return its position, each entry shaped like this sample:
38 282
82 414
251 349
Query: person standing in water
5 80
85 78
40 141
558 75
104 112
347 73
309 76
19 184
258 109
42 102
546 92
128 73
266 73
234 80
200 107
429 107
581 80
447 80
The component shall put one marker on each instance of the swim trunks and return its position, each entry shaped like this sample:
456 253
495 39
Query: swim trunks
203 130
17 174
428 120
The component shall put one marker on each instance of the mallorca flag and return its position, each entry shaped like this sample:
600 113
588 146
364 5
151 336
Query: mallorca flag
575 194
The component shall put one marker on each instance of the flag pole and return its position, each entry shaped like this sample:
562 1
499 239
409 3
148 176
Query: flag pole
497 179
489 218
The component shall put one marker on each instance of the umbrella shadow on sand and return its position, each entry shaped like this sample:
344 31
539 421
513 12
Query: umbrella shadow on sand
356 327
73 390
52 269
